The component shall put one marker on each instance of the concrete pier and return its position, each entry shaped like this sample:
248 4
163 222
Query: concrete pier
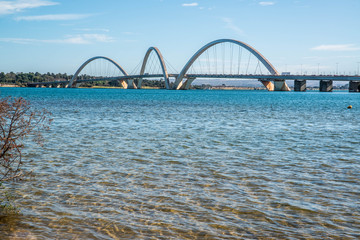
187 83
326 86
300 85
124 84
131 84
280 85
268 84
354 86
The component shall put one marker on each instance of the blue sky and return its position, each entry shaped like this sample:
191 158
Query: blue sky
59 35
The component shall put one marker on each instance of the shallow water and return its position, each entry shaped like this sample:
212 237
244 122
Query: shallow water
141 164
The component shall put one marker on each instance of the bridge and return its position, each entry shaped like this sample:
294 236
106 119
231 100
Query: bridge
219 59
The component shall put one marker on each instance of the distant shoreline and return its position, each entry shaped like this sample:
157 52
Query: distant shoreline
195 88
146 87
9 85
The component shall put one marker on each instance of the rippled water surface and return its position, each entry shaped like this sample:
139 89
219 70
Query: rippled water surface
143 164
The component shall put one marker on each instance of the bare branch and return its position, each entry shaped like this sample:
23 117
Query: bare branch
18 121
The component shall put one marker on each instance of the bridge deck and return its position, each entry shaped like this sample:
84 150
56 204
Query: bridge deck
217 76
279 77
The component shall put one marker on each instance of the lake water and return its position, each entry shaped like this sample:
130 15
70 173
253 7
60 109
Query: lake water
158 164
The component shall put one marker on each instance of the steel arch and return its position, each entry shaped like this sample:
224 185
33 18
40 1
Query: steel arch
71 83
162 63
258 55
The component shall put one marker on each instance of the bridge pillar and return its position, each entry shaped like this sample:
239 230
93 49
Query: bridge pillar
131 84
179 86
326 86
58 86
354 86
139 83
124 84
268 84
280 85
300 85
187 83
77 85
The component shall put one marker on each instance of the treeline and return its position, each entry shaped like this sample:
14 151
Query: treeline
22 79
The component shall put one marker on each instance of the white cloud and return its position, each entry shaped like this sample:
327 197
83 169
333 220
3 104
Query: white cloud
230 25
10 7
266 3
53 17
70 39
18 40
337 47
97 37
190 4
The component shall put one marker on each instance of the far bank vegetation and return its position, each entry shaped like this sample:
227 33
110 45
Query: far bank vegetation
22 79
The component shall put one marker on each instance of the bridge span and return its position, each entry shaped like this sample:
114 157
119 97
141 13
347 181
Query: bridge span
219 59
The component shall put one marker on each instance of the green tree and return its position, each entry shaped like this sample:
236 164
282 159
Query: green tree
2 77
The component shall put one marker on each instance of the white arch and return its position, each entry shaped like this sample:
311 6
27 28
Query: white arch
263 60
71 83
162 63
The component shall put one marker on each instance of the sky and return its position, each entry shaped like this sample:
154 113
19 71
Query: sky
296 36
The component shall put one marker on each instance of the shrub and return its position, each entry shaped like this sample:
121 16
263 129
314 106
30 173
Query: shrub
17 122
